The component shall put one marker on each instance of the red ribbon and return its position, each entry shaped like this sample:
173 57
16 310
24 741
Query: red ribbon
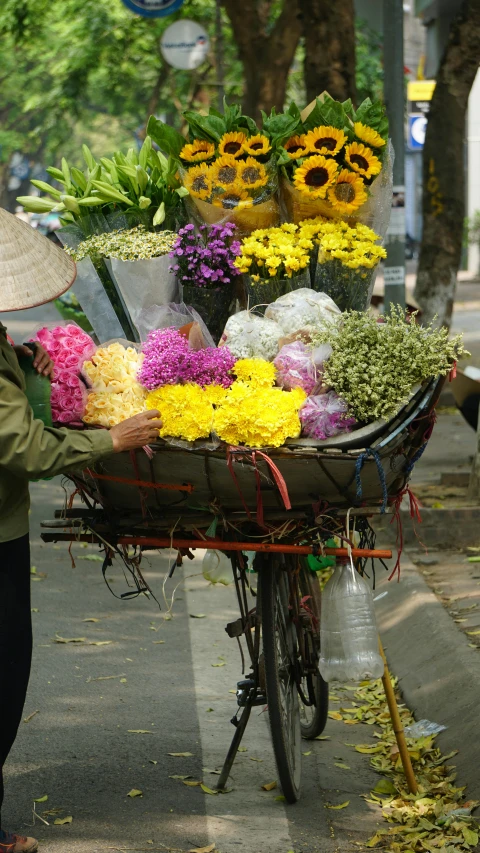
277 476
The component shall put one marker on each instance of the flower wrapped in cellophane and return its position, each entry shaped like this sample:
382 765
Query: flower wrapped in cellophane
227 166
338 164
275 261
67 346
115 394
348 257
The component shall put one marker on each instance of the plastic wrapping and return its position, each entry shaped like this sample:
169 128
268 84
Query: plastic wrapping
302 308
299 366
248 208
375 212
90 290
249 336
325 415
261 293
68 346
114 393
217 568
144 284
174 315
350 289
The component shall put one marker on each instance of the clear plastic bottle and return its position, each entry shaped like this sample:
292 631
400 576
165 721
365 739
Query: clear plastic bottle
348 630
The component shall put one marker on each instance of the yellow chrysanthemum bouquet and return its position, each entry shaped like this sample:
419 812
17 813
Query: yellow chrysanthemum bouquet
228 167
332 163
347 259
274 261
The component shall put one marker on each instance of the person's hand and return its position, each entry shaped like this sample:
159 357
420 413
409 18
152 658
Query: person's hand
42 362
136 432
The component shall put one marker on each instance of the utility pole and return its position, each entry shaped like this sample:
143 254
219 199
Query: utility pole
394 89
219 54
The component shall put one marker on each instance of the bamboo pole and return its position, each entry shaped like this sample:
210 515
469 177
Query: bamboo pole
397 725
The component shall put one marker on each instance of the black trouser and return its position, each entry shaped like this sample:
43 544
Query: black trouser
15 641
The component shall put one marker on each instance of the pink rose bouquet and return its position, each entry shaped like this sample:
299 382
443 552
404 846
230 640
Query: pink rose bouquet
68 346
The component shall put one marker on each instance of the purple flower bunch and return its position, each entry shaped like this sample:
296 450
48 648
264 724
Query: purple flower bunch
168 360
206 259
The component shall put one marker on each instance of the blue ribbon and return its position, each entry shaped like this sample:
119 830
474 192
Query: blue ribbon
381 474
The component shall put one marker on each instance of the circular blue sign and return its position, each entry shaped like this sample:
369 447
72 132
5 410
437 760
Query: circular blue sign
153 8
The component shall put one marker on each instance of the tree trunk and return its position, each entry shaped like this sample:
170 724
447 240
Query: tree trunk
266 51
329 32
444 168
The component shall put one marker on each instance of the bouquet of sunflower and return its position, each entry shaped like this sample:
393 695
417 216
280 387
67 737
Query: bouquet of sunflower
348 257
228 166
275 261
337 163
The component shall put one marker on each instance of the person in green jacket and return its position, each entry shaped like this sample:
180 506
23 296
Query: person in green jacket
33 271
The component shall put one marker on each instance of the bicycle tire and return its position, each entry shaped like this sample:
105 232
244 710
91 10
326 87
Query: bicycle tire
279 647
310 587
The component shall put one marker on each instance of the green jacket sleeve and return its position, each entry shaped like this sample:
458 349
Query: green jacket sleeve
29 449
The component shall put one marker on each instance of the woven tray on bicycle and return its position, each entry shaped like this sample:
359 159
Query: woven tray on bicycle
369 467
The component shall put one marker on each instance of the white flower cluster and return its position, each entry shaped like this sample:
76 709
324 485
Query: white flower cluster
249 336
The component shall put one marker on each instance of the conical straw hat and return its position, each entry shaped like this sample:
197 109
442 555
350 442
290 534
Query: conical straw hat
33 270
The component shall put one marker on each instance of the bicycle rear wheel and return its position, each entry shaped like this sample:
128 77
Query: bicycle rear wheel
280 657
313 712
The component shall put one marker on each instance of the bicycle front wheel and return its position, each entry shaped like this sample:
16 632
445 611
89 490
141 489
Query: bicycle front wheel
280 652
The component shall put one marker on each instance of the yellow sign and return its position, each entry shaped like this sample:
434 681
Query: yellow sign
420 90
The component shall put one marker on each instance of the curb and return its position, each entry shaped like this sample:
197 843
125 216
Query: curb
444 528
438 673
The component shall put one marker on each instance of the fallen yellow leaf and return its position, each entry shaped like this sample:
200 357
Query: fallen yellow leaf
59 639
334 715
180 754
342 766
135 793
473 633
91 619
208 849
60 821
341 806
191 783
269 786
41 799
219 664
207 789
139 732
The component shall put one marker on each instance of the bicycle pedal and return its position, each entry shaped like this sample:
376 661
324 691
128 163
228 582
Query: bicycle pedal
244 691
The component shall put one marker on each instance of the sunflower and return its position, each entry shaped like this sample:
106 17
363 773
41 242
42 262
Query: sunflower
348 193
315 175
198 181
235 197
198 150
368 135
252 174
232 143
362 160
325 140
224 171
257 145
296 147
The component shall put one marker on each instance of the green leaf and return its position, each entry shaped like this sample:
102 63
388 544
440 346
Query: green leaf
385 786
79 178
169 140
328 112
41 799
135 792
373 115
470 836
55 173
145 152
88 157
66 171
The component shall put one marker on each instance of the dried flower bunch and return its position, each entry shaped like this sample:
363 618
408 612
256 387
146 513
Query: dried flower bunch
127 245
206 259
374 365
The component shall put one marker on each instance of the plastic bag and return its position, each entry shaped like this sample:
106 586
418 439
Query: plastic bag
250 336
299 366
217 568
144 284
302 308
176 315
324 416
